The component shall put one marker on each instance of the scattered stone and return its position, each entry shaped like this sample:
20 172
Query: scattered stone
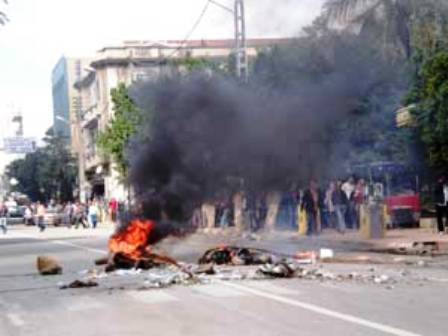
80 284
48 266
381 279
279 270
205 269
326 253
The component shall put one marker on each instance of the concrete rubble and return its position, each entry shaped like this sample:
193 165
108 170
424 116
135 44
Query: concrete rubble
48 266
417 248
238 264
79 284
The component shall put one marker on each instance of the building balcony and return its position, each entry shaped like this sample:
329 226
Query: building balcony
90 117
92 158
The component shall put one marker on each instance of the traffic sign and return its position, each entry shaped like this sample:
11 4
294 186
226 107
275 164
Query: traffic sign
19 145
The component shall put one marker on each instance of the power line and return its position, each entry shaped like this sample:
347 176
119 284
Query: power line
187 36
192 30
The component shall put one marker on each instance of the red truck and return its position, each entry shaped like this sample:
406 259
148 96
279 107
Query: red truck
400 186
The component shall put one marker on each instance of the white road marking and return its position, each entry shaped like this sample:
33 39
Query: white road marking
219 291
323 311
61 242
270 287
437 279
85 248
152 296
83 303
15 319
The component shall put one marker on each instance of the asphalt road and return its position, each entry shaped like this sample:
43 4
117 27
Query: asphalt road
34 305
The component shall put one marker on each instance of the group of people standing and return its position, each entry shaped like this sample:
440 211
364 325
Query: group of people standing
338 207
70 214
85 215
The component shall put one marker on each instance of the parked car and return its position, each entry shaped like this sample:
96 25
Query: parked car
15 214
52 217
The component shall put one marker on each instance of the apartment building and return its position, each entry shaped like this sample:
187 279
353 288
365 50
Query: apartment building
128 63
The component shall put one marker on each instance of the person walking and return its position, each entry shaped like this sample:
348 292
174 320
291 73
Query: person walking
93 214
441 199
312 203
41 211
28 216
113 210
80 216
4 217
349 189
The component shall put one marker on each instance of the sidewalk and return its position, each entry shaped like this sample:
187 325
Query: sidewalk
351 241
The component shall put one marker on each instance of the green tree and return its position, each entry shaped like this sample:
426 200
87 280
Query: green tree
430 94
48 173
115 138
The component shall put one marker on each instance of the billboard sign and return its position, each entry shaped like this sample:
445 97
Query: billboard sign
19 145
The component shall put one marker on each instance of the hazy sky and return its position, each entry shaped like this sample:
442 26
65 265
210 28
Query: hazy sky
41 31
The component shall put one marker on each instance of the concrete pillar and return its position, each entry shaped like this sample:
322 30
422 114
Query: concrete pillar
372 221
273 202
238 206
208 211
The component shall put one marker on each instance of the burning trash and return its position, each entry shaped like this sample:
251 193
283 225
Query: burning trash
131 246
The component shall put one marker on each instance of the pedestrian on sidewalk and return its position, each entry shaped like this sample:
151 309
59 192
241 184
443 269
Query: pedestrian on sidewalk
4 217
41 211
441 199
329 212
349 188
312 203
28 216
341 204
113 210
81 216
93 213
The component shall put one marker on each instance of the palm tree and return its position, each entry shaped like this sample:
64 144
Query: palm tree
392 23
3 17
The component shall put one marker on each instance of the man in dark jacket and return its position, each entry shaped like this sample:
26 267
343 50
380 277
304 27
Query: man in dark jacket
312 203
441 200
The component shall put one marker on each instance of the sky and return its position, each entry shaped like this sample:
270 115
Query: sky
41 31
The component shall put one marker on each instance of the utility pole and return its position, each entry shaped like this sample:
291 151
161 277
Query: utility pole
240 41
18 118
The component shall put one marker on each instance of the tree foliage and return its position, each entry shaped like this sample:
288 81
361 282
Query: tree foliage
48 173
430 94
368 132
428 91
114 140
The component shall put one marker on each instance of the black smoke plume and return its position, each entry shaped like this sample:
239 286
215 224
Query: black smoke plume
207 136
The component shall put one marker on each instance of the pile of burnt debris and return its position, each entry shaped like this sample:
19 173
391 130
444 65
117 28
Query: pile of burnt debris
233 263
